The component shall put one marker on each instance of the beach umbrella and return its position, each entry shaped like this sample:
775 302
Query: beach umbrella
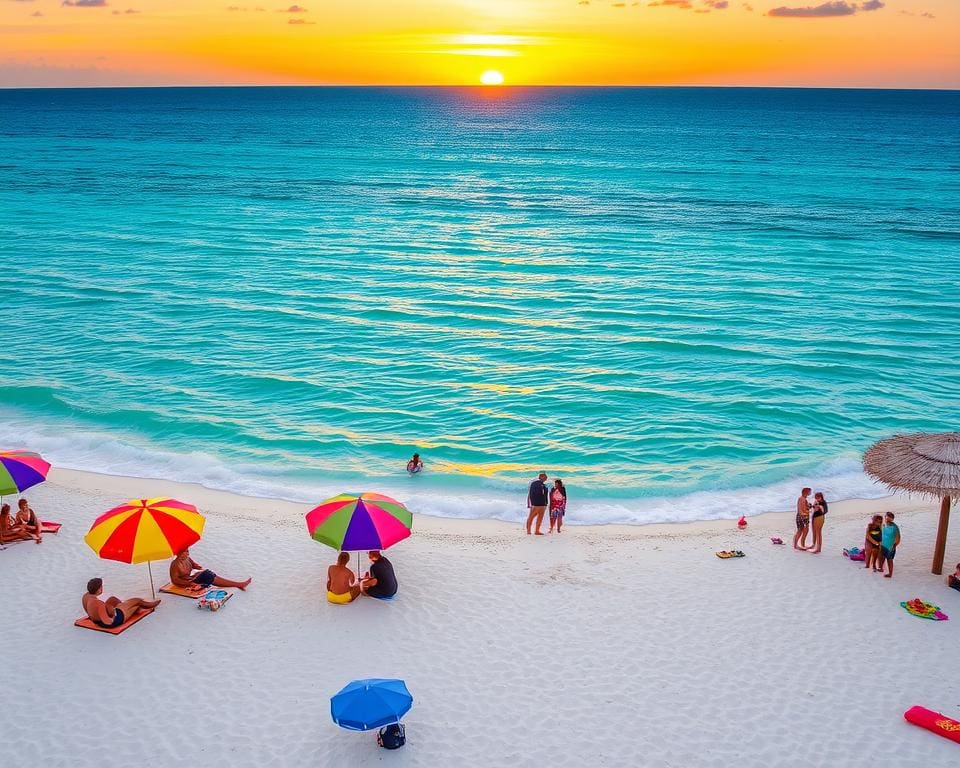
354 522
366 704
145 529
923 463
20 470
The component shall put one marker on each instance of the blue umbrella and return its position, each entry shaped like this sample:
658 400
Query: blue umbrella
366 704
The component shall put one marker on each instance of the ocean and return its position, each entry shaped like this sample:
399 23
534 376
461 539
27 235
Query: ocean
685 302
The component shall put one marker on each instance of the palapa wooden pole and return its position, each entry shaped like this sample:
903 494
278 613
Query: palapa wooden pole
941 536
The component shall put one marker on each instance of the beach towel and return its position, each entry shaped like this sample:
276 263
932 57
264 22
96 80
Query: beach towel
192 592
390 597
855 554
934 721
214 599
924 610
85 622
48 527
726 555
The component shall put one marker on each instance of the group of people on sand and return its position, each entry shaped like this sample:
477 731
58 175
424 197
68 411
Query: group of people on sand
185 572
539 498
25 525
880 543
343 586
810 517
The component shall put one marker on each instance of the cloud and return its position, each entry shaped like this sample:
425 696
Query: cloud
826 10
682 4
747 7
717 5
85 3
36 14
126 12
619 5
300 21
293 9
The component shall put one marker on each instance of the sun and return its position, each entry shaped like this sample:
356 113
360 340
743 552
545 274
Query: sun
492 77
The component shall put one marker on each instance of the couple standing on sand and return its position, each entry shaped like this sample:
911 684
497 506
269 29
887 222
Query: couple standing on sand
804 510
538 497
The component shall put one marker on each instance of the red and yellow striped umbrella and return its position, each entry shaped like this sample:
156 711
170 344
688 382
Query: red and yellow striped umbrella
145 529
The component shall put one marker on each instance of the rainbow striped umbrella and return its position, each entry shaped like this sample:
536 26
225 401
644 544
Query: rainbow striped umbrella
145 529
353 522
20 470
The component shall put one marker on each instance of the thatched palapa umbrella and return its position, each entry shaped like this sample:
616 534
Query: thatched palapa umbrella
928 464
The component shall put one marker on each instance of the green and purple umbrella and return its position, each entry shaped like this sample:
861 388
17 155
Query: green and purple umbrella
20 470
352 522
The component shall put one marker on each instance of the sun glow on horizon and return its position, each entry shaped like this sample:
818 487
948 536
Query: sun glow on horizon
492 77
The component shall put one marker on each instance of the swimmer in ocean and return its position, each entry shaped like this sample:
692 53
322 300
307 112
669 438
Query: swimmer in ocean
415 464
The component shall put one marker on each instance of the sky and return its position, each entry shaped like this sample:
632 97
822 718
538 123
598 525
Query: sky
832 43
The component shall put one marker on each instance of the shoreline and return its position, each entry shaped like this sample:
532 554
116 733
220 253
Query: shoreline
264 508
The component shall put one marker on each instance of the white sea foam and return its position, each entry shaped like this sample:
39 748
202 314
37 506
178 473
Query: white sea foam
106 453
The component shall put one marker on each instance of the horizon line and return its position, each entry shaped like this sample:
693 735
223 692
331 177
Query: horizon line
476 86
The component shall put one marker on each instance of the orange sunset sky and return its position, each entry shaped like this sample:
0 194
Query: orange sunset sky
862 43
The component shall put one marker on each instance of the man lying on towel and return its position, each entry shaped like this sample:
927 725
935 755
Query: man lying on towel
182 573
114 611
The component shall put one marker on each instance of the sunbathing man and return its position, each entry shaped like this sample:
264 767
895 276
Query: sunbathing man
27 521
342 587
114 611
182 575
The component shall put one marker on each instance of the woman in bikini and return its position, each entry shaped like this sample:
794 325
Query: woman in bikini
871 544
819 515
558 504
27 521
8 530
803 520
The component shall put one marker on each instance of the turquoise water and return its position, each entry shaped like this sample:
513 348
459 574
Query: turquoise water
682 301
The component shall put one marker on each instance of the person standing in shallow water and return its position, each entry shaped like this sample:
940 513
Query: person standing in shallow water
537 500
558 504
819 516
803 520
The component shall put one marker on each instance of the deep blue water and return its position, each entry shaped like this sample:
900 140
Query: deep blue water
654 293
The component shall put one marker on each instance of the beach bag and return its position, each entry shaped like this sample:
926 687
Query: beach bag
392 736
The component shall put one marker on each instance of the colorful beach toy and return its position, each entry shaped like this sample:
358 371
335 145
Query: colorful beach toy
922 610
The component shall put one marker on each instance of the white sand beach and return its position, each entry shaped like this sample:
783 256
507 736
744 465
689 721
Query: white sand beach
604 646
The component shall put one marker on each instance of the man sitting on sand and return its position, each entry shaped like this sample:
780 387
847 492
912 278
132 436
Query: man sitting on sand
342 587
953 580
113 612
381 581
182 575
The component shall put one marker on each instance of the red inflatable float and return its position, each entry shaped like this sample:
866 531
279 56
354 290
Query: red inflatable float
934 721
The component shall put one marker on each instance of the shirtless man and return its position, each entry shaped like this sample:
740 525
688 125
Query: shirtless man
182 575
113 612
803 521
27 521
342 587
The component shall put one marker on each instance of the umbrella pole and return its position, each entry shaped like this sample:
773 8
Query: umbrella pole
152 590
941 536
